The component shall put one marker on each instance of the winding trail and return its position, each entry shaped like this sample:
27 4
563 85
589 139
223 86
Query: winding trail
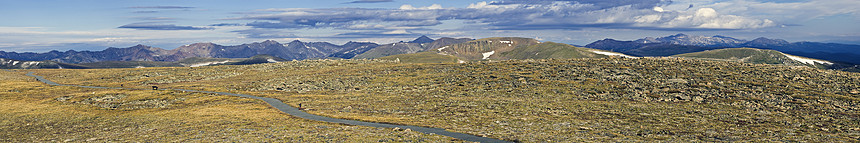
277 104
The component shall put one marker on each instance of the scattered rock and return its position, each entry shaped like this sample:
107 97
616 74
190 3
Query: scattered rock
698 99
92 139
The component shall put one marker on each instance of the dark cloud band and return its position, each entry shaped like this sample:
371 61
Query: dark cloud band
155 26
371 1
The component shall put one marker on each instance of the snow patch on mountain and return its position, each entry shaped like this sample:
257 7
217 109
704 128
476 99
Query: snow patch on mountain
209 63
443 48
488 54
613 54
27 64
271 60
807 60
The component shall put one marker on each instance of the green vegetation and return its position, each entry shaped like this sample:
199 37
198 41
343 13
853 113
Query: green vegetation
422 57
550 50
475 50
188 62
571 100
391 49
749 55
130 64
35 112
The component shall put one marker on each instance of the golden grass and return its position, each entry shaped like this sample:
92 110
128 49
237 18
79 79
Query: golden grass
581 100
32 112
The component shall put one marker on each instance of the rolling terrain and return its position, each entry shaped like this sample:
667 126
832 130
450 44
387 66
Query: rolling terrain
761 56
423 43
36 112
188 62
501 48
756 56
682 43
555 100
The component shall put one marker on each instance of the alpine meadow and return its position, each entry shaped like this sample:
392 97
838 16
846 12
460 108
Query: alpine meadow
478 71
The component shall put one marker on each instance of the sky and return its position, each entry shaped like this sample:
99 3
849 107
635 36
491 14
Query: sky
45 25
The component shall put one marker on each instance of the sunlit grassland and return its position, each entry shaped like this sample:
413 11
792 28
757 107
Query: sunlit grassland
606 100
35 112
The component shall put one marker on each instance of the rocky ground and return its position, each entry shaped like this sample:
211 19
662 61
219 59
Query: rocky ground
608 100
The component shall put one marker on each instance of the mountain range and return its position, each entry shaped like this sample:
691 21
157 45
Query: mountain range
501 48
422 43
449 50
682 43
188 62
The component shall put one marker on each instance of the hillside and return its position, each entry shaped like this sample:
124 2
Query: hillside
546 100
757 56
550 50
297 50
189 62
487 48
502 48
391 49
422 57
18 64
682 43
423 43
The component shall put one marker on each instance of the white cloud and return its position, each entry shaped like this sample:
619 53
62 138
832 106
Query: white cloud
658 9
34 39
788 11
709 18
400 31
410 7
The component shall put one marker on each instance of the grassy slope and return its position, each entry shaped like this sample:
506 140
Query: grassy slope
606 100
388 50
552 50
473 50
422 57
34 112
131 64
749 55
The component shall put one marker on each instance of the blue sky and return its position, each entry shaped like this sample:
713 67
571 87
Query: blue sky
44 25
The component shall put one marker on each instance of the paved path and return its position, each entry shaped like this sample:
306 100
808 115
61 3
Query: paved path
301 114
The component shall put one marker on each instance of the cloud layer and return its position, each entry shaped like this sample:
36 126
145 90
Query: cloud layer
371 1
158 26
509 15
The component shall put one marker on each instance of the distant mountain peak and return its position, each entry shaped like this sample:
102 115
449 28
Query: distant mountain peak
684 39
763 42
422 39
270 42
680 35
721 36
